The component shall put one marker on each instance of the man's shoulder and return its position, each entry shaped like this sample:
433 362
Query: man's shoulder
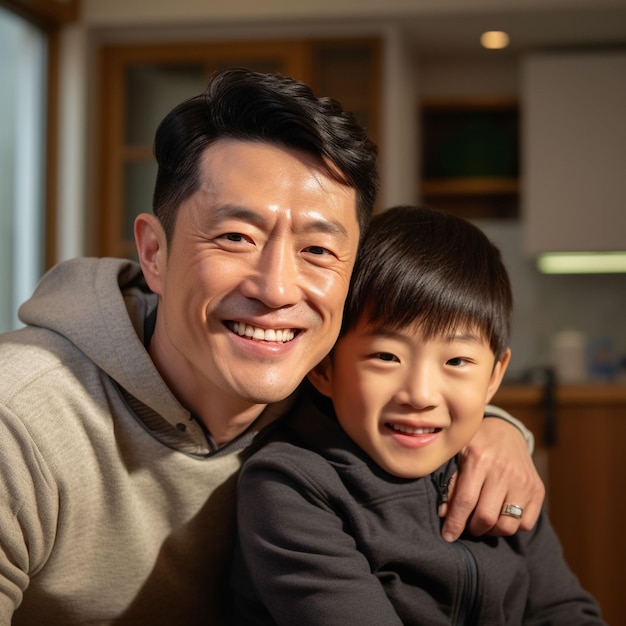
31 356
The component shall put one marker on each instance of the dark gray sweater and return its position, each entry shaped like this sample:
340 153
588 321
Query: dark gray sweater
327 537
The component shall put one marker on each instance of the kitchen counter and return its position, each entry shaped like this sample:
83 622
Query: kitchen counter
580 443
588 394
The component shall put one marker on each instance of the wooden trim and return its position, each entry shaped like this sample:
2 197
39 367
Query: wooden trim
574 395
289 50
478 103
51 151
110 122
47 13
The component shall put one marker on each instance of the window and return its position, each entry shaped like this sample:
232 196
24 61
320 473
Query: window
23 68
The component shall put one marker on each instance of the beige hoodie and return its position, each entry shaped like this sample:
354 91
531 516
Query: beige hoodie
114 506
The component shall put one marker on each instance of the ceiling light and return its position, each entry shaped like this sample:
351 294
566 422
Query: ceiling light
494 40
582 263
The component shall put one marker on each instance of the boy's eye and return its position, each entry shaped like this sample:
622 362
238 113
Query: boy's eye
387 356
456 361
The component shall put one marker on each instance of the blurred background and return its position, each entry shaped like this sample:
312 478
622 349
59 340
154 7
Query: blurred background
527 140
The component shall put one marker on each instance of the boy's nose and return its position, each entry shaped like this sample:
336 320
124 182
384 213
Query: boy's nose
420 388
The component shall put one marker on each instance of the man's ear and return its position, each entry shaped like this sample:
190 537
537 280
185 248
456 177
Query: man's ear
151 249
321 376
497 374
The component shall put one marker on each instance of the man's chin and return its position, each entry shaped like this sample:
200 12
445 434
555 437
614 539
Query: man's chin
270 394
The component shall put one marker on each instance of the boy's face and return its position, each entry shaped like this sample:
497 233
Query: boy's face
410 404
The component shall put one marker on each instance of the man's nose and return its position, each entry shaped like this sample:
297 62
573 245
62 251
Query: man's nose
275 280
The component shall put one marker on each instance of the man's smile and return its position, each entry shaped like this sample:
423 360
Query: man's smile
280 335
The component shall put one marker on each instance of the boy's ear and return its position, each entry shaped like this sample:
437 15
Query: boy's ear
151 249
321 376
497 374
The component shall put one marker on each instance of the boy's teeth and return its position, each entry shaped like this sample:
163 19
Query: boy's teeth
412 431
260 334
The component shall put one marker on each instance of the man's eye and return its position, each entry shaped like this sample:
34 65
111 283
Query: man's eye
236 238
318 250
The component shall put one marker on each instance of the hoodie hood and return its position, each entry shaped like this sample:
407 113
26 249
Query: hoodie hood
100 306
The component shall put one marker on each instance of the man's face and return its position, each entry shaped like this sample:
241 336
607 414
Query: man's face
410 403
253 284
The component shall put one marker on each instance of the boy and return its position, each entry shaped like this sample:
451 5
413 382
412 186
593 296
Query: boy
338 514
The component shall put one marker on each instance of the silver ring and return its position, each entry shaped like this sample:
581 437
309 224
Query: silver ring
512 510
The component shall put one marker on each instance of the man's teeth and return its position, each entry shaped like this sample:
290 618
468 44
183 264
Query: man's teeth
261 334
408 430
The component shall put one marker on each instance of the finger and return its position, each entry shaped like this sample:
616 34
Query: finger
487 514
533 508
461 503
505 525
528 494
508 525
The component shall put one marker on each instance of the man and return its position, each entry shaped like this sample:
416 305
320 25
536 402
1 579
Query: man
130 399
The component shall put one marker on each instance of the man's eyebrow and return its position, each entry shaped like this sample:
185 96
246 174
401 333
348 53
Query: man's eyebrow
323 225
237 212
313 223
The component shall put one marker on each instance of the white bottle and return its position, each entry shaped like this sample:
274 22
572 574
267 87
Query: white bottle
568 349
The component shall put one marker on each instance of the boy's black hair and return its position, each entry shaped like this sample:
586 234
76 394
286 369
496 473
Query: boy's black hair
251 106
420 265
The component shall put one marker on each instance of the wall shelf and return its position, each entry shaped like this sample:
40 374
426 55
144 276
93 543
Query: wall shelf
469 156
474 186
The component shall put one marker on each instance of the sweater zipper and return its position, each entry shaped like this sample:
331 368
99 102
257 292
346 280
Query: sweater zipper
466 612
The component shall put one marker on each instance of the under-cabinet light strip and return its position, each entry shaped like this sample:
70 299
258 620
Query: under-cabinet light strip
582 263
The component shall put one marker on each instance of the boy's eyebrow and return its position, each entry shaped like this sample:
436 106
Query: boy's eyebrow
383 331
470 337
391 333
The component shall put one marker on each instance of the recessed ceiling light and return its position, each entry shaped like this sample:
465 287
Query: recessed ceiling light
494 40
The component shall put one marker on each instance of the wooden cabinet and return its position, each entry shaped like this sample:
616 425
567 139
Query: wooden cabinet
585 478
470 156
141 83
